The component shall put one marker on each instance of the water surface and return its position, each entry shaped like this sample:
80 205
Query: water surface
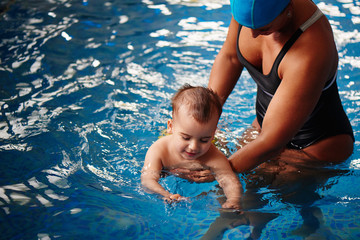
86 88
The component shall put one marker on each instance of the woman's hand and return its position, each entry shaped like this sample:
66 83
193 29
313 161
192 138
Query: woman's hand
198 176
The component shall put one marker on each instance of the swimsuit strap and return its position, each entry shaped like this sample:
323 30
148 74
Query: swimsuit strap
294 37
318 14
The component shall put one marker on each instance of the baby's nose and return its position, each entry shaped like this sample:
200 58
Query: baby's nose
194 145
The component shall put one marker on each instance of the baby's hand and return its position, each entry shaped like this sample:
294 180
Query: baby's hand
233 204
174 198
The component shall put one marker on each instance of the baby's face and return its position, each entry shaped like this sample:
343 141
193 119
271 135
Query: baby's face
191 138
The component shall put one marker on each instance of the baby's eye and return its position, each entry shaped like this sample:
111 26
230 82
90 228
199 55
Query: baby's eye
204 140
185 138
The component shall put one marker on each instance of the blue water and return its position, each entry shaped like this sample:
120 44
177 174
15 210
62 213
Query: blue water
85 89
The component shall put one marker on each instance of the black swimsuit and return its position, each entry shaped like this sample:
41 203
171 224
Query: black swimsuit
328 118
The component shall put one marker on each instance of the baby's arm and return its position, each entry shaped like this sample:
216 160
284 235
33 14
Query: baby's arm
227 180
150 174
232 188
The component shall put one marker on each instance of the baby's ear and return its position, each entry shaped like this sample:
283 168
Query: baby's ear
170 126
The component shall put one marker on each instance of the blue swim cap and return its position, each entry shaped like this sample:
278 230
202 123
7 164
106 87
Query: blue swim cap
256 13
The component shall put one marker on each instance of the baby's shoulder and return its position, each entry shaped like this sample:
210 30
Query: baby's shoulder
160 146
215 153
214 157
162 142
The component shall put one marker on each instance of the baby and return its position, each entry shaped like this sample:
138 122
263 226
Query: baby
196 112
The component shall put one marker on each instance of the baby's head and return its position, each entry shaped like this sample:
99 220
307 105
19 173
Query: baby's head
201 103
196 112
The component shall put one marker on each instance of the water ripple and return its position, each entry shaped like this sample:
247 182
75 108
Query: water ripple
86 88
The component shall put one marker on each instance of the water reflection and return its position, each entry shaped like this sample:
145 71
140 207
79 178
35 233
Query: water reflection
86 88
254 221
209 5
32 193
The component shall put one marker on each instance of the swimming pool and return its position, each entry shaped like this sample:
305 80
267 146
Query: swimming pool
85 89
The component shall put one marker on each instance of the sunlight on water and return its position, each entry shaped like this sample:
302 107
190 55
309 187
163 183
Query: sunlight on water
86 88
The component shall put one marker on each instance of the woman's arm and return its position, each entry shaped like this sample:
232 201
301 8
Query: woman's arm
226 69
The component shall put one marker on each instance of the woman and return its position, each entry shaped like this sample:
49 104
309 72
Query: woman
288 48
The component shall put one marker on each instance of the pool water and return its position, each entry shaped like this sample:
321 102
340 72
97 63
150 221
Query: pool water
85 90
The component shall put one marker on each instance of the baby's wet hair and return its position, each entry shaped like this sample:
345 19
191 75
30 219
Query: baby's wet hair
201 102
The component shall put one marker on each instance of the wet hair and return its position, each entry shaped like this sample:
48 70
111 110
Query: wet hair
201 102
